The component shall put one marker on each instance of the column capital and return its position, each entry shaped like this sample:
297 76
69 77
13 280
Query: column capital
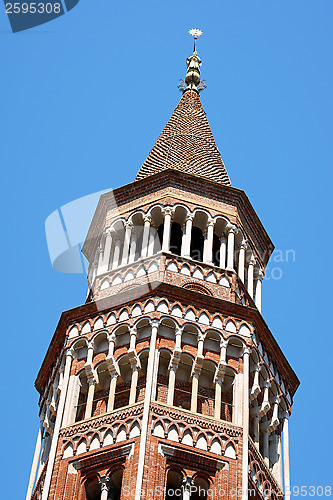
247 350
69 353
201 337
133 330
178 330
105 483
252 261
220 372
134 359
197 366
187 483
243 245
128 224
189 216
112 337
154 323
147 218
168 211
210 222
112 365
260 275
223 343
230 228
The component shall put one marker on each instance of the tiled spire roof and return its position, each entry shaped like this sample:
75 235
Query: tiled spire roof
187 144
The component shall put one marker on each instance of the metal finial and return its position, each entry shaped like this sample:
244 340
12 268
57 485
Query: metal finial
192 78
195 32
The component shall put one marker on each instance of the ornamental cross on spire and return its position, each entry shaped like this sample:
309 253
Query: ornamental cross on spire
195 32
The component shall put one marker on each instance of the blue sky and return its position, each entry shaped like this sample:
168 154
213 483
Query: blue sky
83 100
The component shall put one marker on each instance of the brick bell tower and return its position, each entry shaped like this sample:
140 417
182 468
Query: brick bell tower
167 383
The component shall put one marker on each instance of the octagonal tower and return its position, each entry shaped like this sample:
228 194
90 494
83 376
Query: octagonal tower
167 383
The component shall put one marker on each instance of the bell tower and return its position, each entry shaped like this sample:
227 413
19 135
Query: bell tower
167 383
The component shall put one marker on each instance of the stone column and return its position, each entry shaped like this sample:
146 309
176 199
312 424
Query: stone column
218 397
286 468
256 426
116 253
90 398
223 252
173 367
195 387
133 246
196 370
186 240
105 483
134 383
133 333
223 351
218 379
35 461
250 274
208 244
241 261
245 464
231 248
100 259
187 484
94 270
127 240
275 448
145 415
112 340
145 239
171 384
113 371
112 390
201 339
57 425
259 278
107 250
167 211
266 445
152 236
178 335
279 468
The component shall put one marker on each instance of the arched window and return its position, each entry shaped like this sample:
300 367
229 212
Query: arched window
115 485
160 232
200 489
93 489
216 250
176 238
197 244
82 401
174 486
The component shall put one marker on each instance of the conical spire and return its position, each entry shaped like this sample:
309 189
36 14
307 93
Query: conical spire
186 142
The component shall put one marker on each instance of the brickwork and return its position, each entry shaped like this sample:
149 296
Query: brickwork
148 379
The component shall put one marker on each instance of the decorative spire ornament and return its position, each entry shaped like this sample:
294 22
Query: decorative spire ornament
192 78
